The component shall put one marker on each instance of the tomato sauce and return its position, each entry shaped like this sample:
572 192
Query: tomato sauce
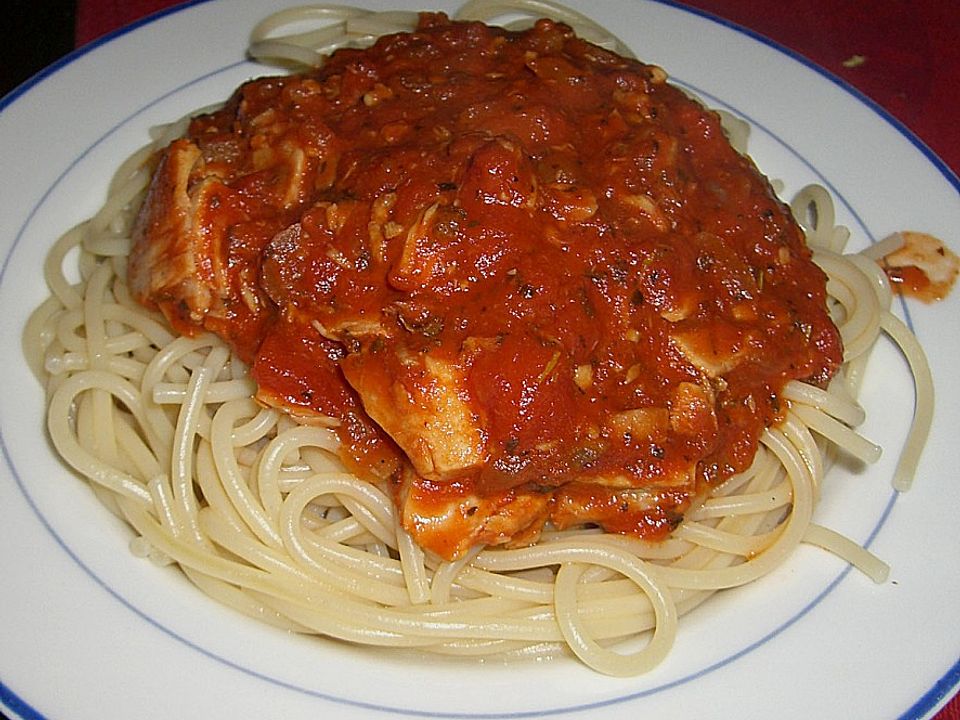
923 267
531 278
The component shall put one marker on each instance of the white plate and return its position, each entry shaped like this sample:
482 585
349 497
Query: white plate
89 631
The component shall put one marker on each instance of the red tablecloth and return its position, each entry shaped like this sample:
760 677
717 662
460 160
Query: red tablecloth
909 59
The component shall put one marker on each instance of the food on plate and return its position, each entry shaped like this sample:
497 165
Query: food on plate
488 334
922 266
528 279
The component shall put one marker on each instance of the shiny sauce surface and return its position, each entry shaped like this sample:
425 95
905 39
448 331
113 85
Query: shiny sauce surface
530 278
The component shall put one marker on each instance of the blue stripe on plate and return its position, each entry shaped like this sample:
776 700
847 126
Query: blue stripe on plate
945 685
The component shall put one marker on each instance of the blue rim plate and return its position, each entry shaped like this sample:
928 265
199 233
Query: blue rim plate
88 630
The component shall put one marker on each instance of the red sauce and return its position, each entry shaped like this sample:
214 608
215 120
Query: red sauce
923 268
532 279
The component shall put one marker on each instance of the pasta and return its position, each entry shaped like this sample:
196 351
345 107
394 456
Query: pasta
258 511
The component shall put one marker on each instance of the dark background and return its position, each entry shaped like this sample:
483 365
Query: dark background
35 34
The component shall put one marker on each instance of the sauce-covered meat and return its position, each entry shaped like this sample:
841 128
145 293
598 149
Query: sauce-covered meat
531 279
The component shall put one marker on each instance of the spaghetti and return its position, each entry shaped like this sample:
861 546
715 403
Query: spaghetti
259 512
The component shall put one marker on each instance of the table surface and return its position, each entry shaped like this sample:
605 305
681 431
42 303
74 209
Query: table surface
902 55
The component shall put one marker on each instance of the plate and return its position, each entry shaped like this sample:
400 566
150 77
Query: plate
89 631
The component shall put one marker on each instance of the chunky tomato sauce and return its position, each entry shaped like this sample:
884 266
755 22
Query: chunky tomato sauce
531 280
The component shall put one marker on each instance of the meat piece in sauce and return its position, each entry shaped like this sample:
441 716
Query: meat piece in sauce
530 279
